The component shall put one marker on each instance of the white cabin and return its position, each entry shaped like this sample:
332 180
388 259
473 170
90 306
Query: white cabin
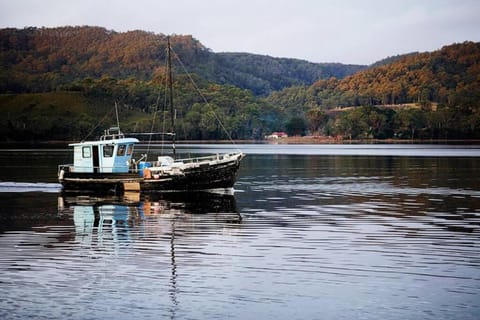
112 153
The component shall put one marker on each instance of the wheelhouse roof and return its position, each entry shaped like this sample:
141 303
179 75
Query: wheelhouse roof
105 142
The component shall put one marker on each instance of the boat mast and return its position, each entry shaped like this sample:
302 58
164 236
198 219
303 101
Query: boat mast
170 93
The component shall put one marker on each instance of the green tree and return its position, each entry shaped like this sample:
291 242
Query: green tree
409 121
296 126
349 124
316 118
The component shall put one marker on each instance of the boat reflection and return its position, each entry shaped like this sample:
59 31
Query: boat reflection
116 217
136 226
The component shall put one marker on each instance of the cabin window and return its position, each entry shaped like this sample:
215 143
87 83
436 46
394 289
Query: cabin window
130 150
108 151
121 150
86 152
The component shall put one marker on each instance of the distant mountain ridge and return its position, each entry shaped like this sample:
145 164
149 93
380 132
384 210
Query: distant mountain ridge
41 59
271 74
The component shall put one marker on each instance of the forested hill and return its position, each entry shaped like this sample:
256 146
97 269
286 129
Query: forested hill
441 76
44 59
56 83
426 95
264 74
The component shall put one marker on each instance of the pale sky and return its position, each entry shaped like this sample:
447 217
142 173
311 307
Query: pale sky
346 31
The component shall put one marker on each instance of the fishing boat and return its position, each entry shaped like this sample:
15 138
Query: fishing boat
107 164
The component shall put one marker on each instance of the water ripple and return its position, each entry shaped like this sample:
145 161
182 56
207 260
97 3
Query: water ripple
306 238
7 186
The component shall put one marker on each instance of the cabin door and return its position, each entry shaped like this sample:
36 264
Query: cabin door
96 161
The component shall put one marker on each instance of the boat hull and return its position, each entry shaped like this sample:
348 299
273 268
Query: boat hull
213 176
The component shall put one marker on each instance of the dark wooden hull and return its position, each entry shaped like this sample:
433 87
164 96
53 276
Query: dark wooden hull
216 176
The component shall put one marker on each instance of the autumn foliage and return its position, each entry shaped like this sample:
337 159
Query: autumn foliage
442 88
56 82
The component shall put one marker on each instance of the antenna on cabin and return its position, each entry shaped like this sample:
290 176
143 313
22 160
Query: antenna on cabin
116 112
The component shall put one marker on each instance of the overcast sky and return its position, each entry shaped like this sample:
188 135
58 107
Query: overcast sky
346 31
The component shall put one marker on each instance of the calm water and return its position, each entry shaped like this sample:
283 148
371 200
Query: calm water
312 232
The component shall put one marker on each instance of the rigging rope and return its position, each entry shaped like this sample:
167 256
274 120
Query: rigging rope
165 107
204 98
164 104
155 118
98 124
153 123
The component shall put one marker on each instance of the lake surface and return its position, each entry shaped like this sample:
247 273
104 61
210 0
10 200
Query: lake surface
312 232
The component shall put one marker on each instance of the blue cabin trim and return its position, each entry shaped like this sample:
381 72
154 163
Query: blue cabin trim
111 154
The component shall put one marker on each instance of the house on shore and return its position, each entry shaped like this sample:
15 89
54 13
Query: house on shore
277 135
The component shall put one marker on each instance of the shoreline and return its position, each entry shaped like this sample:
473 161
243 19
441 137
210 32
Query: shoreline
306 140
332 140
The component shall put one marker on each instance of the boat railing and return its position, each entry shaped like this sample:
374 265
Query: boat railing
214 157
136 169
112 134
64 167
104 169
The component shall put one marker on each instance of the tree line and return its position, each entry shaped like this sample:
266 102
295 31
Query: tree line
434 95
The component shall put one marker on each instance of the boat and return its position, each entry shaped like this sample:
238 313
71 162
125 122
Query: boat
107 165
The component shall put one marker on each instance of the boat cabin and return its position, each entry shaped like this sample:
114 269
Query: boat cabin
111 154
